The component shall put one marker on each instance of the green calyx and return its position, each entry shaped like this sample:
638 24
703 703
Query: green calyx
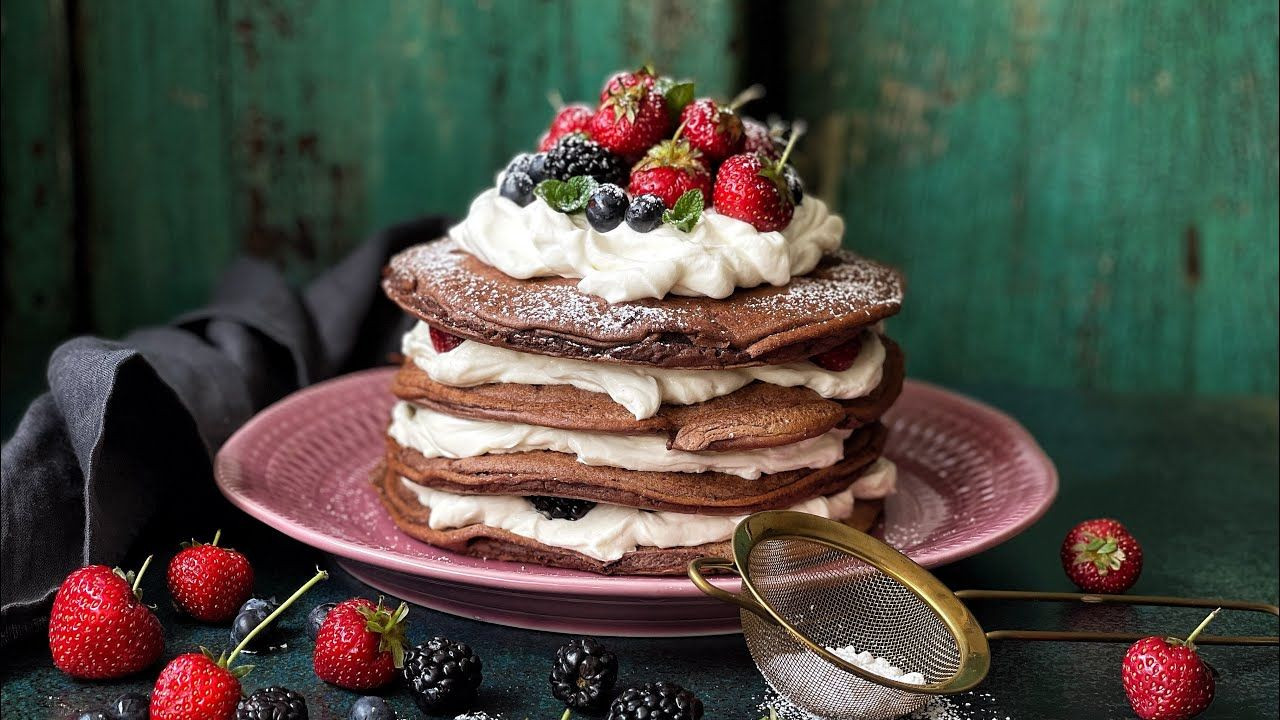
776 172
389 625
217 535
1105 554
675 153
567 196
134 578
685 213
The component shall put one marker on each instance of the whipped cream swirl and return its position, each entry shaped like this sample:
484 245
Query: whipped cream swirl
641 390
719 255
607 532
436 434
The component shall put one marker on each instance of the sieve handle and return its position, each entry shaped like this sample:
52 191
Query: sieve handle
696 569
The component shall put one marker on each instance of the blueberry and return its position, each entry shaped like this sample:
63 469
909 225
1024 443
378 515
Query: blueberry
370 707
535 166
795 185
517 187
645 213
130 706
606 207
268 604
93 715
316 617
249 619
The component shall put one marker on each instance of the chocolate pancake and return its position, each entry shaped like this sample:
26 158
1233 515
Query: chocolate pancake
757 415
542 472
453 291
496 544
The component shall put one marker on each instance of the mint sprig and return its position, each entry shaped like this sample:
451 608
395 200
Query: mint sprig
677 93
685 213
567 196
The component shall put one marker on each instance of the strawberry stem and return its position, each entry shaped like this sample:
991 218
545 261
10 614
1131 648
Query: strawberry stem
755 92
565 716
217 535
137 579
797 129
556 99
1190 642
679 130
320 575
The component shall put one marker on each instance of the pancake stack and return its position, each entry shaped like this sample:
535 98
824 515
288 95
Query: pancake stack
572 397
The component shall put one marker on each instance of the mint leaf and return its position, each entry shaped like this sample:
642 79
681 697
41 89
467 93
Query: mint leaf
685 213
678 94
567 197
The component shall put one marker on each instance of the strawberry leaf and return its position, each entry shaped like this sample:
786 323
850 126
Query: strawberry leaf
567 197
685 213
677 94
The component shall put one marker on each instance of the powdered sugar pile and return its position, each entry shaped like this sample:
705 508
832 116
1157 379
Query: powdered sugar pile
878 665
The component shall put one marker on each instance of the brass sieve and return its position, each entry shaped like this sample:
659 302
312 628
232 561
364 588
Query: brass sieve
814 591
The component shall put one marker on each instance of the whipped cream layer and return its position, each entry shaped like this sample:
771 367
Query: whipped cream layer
641 390
435 434
719 255
607 532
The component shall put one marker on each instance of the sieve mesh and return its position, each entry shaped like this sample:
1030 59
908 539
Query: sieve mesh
839 601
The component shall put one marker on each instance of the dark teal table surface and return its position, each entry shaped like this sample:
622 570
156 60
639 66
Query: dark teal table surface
1195 479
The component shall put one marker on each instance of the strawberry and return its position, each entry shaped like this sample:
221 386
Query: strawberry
670 169
840 357
620 81
759 139
716 130
630 120
754 189
99 629
442 341
196 686
1100 556
568 119
1165 679
360 645
208 582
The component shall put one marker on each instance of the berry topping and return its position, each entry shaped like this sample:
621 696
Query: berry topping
130 706
272 703
209 582
316 617
371 707
656 701
753 189
442 341
630 120
583 674
1165 679
99 628
517 187
758 138
569 119
670 169
620 81
606 207
1101 556
532 165
576 155
714 129
795 185
441 674
558 508
360 644
645 212
840 357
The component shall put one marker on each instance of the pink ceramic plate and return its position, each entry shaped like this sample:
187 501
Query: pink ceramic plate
970 477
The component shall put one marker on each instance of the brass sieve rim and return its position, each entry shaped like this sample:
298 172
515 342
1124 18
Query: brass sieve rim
973 649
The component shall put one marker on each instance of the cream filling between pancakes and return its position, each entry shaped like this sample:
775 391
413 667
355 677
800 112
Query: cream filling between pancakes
607 532
641 390
435 434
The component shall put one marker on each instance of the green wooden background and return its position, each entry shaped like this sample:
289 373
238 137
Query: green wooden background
1083 194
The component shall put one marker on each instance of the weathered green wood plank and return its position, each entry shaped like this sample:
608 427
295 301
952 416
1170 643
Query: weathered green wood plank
1081 194
158 210
347 116
36 194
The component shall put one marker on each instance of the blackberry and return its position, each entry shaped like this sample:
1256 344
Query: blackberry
576 155
656 701
583 674
645 212
558 508
441 674
371 707
130 706
533 165
517 187
795 185
272 703
316 617
606 207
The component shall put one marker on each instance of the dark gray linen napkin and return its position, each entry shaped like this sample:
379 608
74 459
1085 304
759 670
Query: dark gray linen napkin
128 428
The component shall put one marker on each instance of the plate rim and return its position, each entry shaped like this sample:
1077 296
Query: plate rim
227 465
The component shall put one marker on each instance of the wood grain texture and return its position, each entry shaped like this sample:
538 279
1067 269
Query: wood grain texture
1081 194
36 194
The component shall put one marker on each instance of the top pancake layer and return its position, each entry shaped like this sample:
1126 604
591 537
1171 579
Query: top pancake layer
451 290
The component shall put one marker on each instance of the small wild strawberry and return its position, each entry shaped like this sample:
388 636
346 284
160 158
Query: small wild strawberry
208 582
1101 556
